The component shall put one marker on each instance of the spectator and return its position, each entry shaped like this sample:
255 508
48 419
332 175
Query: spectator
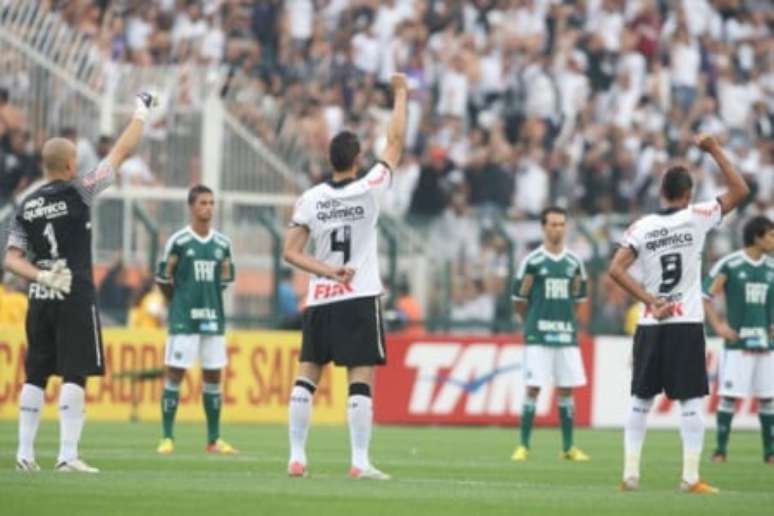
289 307
135 171
114 292
429 198
409 308
148 307
87 156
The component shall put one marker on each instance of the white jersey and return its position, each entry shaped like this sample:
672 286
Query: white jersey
342 218
669 246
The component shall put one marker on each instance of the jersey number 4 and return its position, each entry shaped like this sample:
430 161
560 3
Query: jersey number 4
671 272
341 241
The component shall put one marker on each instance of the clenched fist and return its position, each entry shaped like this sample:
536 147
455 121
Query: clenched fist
399 82
707 142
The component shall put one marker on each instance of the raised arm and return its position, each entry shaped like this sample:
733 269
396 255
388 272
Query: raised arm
130 138
103 176
737 188
396 133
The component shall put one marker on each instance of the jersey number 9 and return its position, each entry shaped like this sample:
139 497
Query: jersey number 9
671 272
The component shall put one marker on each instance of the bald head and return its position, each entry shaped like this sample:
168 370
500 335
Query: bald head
59 158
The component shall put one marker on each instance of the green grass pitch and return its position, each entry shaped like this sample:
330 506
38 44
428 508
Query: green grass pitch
437 471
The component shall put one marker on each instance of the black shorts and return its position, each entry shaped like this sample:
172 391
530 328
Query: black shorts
63 338
670 358
350 333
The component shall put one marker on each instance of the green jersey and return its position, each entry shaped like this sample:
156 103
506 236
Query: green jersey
198 281
558 283
749 298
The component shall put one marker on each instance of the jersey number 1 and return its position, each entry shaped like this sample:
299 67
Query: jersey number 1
341 241
671 272
48 232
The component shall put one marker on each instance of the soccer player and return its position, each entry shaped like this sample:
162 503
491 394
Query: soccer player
550 281
666 248
194 270
343 319
746 278
50 245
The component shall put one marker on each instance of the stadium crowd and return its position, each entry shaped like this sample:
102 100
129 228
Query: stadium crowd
515 104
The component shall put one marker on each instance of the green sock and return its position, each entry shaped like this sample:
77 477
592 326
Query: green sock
767 433
527 417
724 429
566 409
169 402
211 399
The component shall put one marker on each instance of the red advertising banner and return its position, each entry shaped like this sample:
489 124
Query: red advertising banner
465 380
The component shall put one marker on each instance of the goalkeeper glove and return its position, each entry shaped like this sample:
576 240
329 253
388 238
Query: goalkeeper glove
144 102
58 278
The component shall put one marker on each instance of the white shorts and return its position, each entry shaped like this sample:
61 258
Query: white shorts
743 373
183 350
561 365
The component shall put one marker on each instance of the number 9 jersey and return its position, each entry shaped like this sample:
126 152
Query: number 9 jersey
669 245
342 217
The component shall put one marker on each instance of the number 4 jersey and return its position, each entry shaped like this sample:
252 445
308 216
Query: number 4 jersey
342 218
669 246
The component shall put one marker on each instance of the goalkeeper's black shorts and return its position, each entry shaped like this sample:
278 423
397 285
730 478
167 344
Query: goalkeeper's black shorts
64 338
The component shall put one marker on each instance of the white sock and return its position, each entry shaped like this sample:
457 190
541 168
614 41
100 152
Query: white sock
360 417
30 407
72 399
692 433
300 414
634 435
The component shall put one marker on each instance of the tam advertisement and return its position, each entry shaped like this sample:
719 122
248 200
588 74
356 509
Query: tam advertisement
464 381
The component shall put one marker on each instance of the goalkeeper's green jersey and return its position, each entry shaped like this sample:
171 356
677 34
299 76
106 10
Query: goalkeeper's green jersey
198 282
559 282
749 296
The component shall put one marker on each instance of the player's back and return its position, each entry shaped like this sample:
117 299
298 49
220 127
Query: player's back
57 224
669 247
342 220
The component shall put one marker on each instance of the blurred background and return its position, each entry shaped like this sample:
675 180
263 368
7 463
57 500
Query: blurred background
515 105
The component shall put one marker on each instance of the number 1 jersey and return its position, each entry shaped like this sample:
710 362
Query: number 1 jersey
342 219
669 246
54 223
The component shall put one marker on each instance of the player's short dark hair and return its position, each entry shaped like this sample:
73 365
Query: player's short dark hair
195 192
676 183
343 150
755 228
548 211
